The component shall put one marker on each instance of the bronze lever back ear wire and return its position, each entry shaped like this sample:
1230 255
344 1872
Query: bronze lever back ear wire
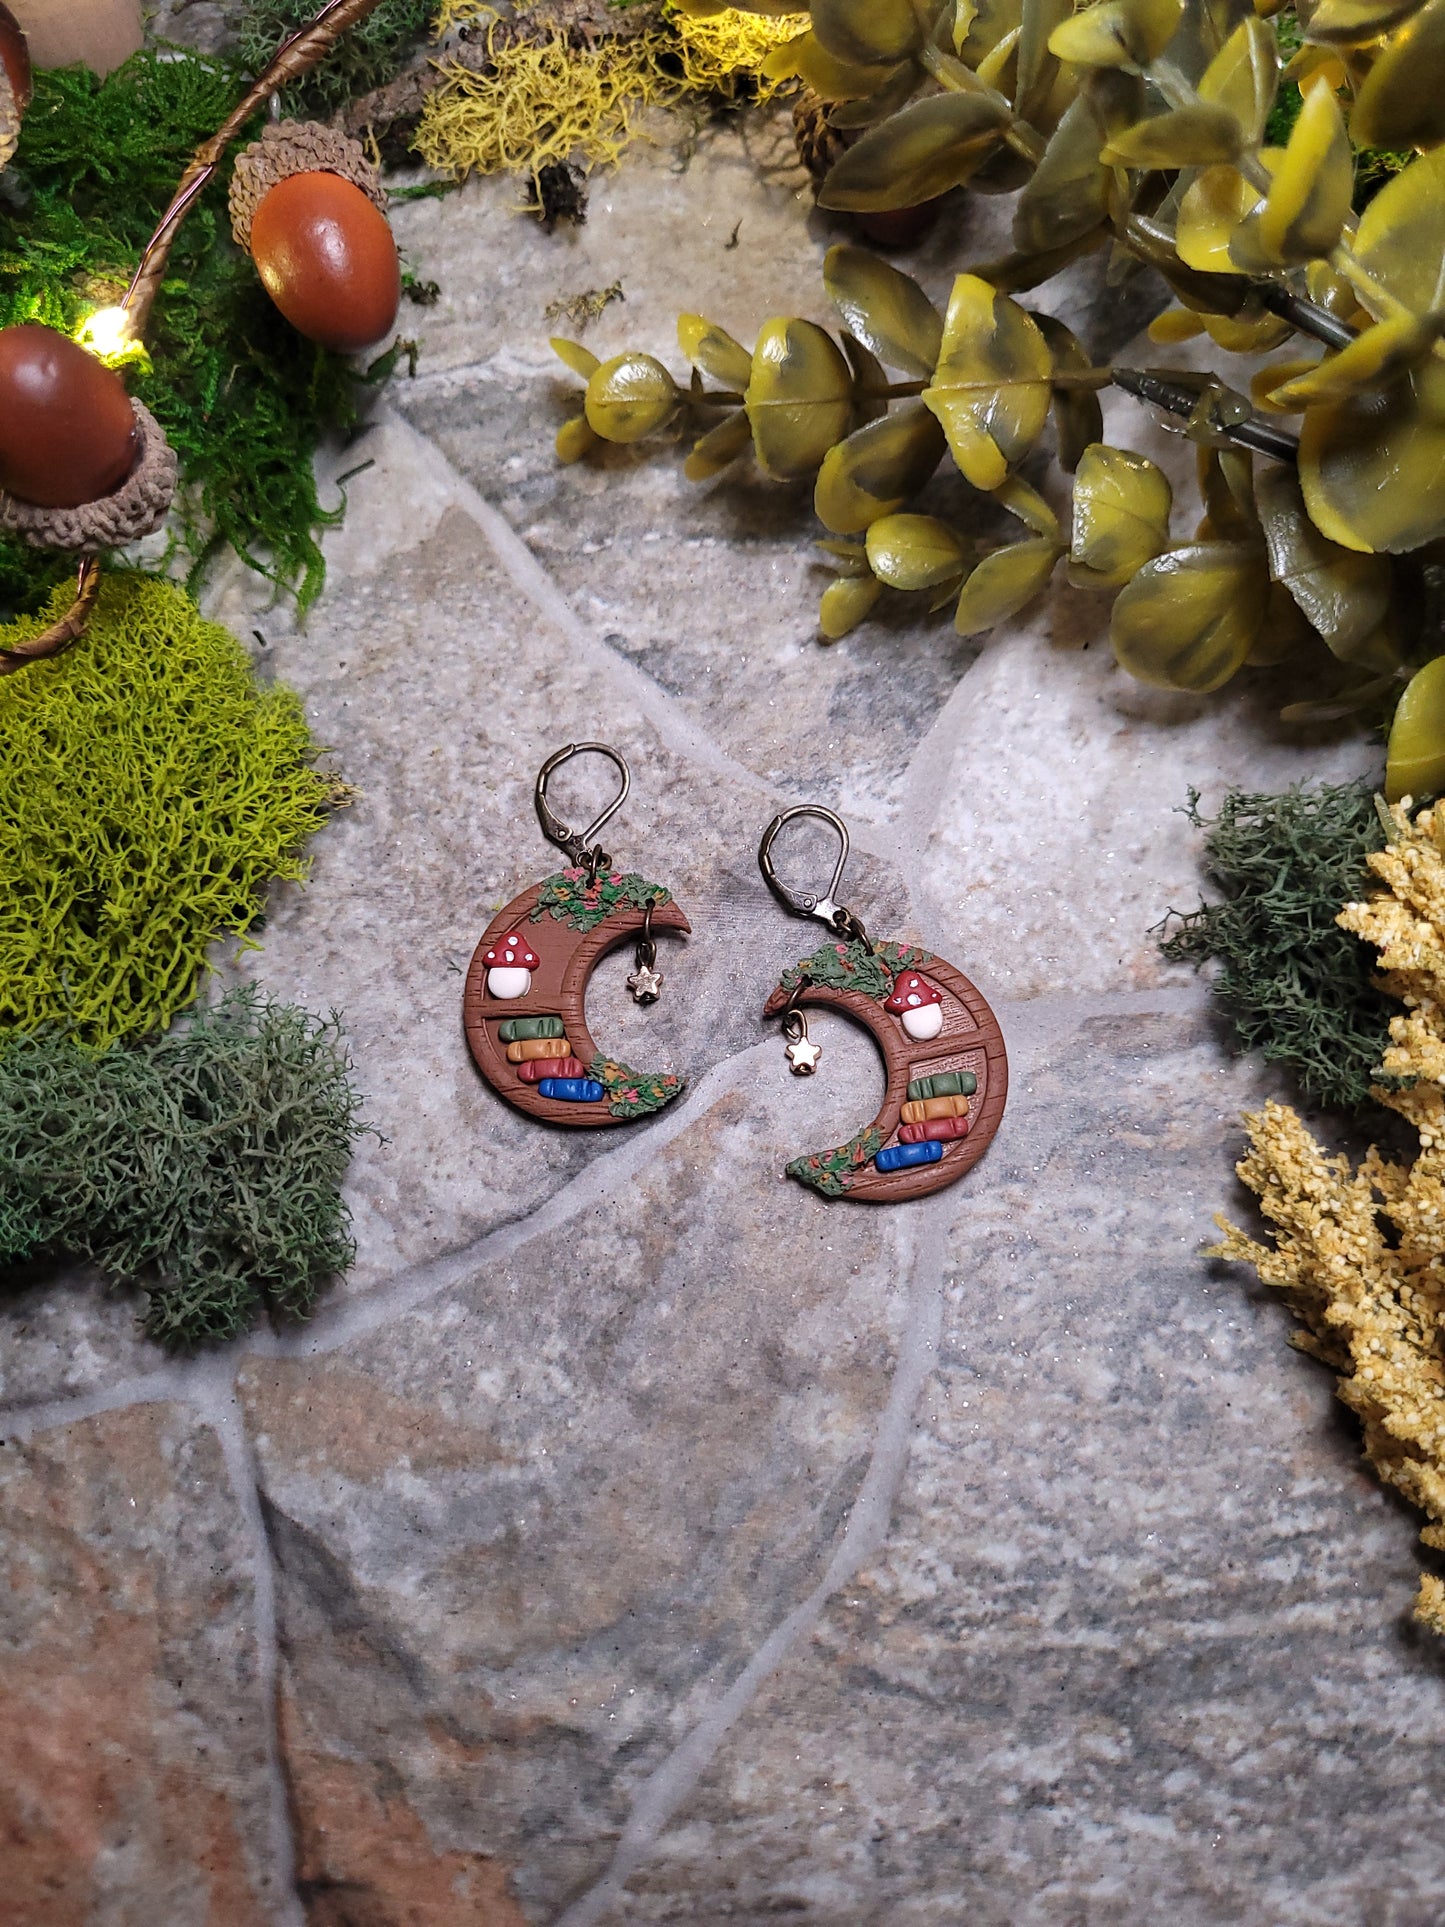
941 1044
525 1002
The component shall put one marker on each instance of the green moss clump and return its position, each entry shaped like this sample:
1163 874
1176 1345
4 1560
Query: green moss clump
367 57
244 399
1294 984
204 1166
150 788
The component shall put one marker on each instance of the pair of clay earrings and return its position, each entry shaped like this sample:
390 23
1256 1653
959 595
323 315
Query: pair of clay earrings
526 1020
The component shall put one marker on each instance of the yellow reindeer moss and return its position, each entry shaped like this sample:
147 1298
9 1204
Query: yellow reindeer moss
1360 1252
550 100
150 788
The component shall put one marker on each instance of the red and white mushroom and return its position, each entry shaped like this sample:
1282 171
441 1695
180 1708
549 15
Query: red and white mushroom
510 963
918 1003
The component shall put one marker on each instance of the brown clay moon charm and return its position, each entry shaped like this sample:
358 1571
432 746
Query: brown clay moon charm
945 1059
524 1006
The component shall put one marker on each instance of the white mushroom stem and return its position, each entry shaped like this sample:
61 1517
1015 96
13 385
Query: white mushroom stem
925 1022
509 980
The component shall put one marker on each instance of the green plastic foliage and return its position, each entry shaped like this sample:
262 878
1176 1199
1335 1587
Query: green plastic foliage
718 448
1193 136
846 603
991 387
915 552
1350 22
630 397
580 360
1121 516
1373 467
867 32
877 469
1243 77
1344 595
799 397
1415 761
713 350
1067 196
1376 357
1400 241
917 154
1189 618
1003 584
203 1166
1211 210
830 78
1402 103
150 788
1117 33
1309 196
886 310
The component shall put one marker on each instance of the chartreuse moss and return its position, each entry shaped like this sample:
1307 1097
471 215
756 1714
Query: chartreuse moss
150 788
1294 984
203 1166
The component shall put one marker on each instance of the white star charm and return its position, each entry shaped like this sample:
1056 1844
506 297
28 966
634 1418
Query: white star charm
645 983
803 1056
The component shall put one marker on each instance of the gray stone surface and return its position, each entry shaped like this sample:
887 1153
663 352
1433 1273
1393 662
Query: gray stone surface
634 1536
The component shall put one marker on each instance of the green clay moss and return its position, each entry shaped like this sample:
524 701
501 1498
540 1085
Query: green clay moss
203 1167
150 788
1294 985
244 399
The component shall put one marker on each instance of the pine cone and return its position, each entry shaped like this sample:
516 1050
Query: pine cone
820 145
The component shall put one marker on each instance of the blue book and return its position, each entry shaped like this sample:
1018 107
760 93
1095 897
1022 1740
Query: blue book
894 1157
575 1090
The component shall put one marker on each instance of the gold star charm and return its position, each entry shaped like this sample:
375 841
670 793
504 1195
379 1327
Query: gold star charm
803 1056
645 983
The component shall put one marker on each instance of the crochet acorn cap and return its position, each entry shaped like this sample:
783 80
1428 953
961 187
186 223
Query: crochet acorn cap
290 147
136 508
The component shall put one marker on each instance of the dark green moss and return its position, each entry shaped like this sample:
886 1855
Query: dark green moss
1295 986
367 57
203 1165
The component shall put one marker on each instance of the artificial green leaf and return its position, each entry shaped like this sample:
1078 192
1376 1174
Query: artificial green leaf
866 110
914 551
1068 193
978 28
850 558
870 379
991 387
1402 103
580 360
1121 516
718 448
1345 595
714 351
1373 467
846 603
886 310
575 439
1377 356
1309 196
993 70
1117 33
1347 22
799 397
1003 583
867 32
877 469
1210 211
830 78
1243 77
1190 617
1037 68
1191 136
1078 417
1400 241
1415 760
917 154
1226 485
629 397
1030 507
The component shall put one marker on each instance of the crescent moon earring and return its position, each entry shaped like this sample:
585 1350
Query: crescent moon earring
941 1045
524 1006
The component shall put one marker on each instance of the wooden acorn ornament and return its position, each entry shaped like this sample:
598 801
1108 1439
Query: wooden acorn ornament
309 208
16 82
524 1006
941 1046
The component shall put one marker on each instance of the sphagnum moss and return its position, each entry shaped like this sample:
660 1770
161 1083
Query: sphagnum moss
150 789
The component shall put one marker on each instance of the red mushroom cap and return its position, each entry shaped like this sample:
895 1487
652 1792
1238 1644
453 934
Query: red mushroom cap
511 952
912 992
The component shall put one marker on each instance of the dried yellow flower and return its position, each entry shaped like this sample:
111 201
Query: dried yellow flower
1359 1252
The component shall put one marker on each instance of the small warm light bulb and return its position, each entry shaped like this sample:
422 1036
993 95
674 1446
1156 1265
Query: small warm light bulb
107 333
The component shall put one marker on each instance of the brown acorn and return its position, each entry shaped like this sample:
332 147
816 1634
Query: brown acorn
67 426
326 257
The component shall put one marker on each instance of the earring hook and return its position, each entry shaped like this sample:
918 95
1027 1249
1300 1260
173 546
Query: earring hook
555 830
825 908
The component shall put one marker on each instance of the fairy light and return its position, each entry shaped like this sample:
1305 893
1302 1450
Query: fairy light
107 333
